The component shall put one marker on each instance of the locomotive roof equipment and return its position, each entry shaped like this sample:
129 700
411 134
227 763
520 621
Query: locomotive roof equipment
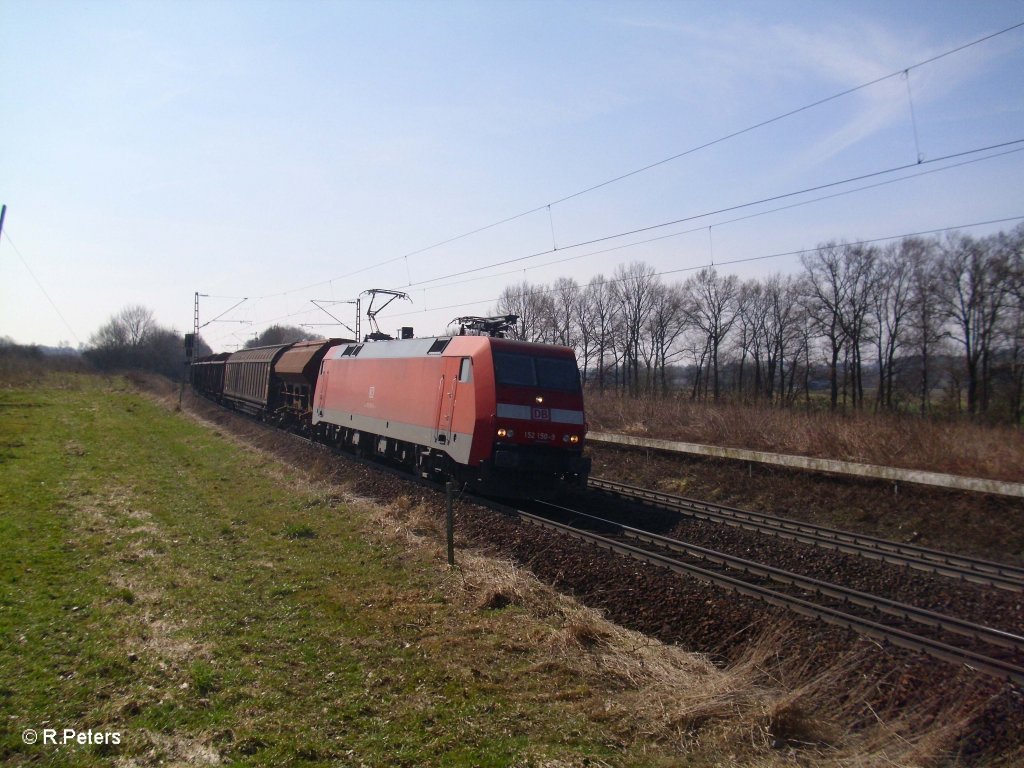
496 326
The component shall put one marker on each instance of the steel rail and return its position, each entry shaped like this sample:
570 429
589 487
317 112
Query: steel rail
960 567
898 637
905 611
848 595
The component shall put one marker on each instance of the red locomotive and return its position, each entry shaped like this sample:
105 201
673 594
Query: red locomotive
504 417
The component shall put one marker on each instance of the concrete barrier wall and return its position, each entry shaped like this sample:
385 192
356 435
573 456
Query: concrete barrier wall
895 474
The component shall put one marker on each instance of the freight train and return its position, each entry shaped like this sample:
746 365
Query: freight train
500 417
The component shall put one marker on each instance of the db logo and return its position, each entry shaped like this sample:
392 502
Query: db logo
542 414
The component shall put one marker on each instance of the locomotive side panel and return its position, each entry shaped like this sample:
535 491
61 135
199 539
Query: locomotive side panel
395 390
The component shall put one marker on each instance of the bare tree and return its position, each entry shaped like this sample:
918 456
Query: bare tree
784 324
926 324
665 326
752 311
587 333
531 304
1015 322
127 328
890 306
899 305
601 300
138 322
1015 350
563 308
132 339
825 291
861 278
634 292
804 329
710 306
978 275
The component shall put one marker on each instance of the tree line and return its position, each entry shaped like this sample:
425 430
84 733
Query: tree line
926 323
132 339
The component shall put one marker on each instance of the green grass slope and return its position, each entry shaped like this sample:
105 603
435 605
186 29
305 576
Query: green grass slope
208 606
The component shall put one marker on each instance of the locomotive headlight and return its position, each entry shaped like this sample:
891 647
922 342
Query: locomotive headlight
574 439
539 399
502 432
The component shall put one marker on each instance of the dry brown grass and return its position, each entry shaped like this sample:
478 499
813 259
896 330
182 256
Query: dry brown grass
886 439
765 709
21 366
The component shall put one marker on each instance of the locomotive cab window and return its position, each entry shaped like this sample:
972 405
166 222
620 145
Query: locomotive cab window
466 370
557 373
514 370
542 372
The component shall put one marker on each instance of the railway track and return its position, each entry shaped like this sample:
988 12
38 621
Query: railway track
661 551
947 564
803 601
807 589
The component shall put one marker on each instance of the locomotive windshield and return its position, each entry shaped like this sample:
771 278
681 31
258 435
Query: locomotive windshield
541 372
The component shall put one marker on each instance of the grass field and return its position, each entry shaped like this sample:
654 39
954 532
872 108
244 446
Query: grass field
160 583
211 605
208 605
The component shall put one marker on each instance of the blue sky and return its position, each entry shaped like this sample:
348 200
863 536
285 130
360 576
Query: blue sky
250 149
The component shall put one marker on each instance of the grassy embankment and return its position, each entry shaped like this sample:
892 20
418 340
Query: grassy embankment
211 605
161 583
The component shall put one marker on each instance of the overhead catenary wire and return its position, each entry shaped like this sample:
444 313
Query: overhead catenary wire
291 315
218 317
727 209
556 247
726 222
42 289
746 259
679 155
791 113
540 291
694 217
723 223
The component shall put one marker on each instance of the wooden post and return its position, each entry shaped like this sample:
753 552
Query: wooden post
449 493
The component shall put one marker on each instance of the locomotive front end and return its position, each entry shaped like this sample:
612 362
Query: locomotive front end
539 421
